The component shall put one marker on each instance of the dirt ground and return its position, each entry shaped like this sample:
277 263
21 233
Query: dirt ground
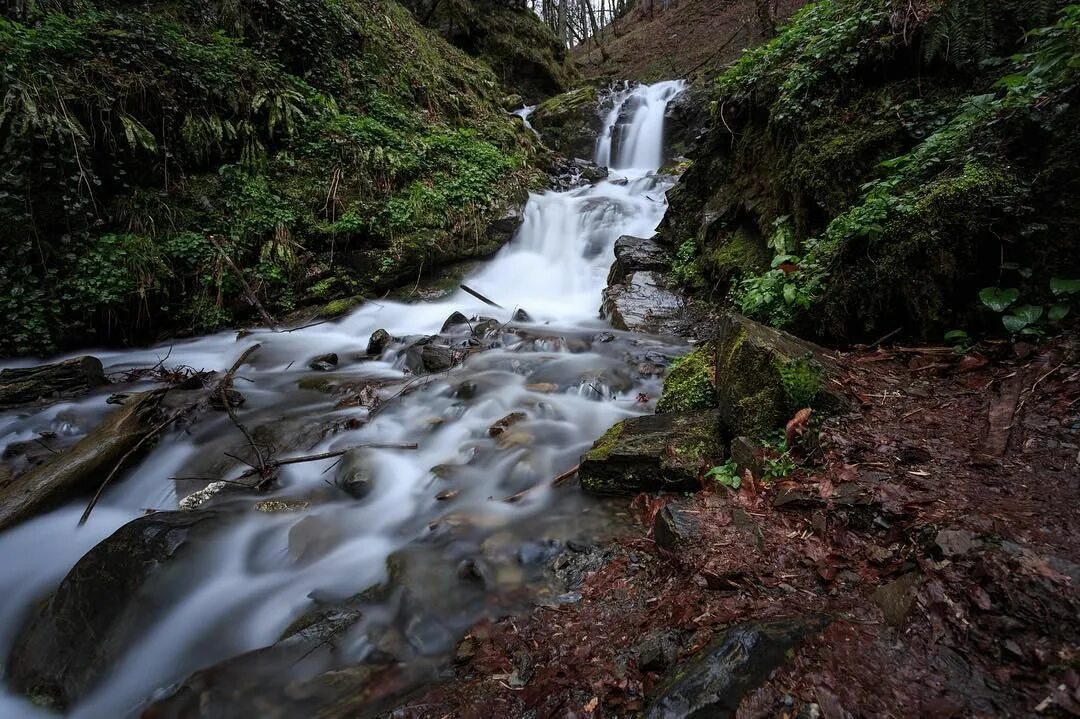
679 41
933 527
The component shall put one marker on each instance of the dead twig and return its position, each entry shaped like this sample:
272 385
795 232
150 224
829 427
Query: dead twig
480 297
562 478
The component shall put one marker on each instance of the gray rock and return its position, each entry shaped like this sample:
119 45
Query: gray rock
714 682
356 475
896 598
747 455
675 525
956 542
644 303
657 651
522 316
100 607
324 363
456 322
378 342
636 254
660 452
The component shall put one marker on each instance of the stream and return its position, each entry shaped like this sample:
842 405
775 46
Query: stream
441 505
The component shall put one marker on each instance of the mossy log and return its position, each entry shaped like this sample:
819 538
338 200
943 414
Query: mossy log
84 465
71 377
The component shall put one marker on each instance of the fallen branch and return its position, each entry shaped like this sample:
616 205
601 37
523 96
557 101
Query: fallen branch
562 478
251 296
268 471
480 297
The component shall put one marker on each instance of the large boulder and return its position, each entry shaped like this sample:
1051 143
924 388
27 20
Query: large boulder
75 376
713 682
765 375
643 302
637 254
85 465
74 637
570 123
659 452
685 120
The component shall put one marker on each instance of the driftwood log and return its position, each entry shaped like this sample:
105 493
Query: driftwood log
71 377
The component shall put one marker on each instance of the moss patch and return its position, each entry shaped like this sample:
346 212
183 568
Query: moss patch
690 383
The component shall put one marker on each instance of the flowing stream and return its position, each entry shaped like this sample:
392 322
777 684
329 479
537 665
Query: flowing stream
569 373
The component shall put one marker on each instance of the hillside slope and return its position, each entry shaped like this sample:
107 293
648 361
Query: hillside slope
171 167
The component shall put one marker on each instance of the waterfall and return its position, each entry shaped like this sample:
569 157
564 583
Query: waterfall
564 370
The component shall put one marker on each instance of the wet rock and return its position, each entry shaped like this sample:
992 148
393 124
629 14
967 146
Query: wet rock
70 378
502 229
505 423
522 316
324 363
657 651
569 174
570 123
83 466
425 357
753 394
484 326
714 681
956 542
675 525
747 455
456 322
643 303
543 387
356 475
101 607
685 119
378 342
281 506
663 452
636 254
896 598
623 123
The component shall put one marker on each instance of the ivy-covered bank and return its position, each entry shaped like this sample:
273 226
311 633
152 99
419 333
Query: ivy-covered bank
878 164
168 167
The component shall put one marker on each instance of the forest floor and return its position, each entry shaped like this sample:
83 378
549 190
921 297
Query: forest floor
680 40
928 550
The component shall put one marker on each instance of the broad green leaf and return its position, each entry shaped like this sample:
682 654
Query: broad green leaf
789 294
998 299
1060 286
1057 313
1013 323
956 336
1029 313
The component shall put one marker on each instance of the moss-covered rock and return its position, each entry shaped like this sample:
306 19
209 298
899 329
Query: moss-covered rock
662 452
570 123
764 375
690 383
100 607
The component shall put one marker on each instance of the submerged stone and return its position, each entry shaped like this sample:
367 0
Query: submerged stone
100 607
661 452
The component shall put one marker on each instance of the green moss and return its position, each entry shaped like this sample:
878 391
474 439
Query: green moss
607 443
690 383
336 308
801 379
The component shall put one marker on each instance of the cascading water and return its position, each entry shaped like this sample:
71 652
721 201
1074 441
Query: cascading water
564 369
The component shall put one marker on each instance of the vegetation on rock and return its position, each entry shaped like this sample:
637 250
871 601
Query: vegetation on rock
891 162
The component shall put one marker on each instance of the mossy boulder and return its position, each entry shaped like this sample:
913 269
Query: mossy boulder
660 452
570 123
101 607
690 383
764 375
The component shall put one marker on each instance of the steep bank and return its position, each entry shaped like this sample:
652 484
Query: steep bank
170 168
691 39
873 169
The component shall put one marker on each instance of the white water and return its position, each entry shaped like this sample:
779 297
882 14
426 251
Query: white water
249 583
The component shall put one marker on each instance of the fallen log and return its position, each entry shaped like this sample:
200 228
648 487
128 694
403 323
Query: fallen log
78 375
480 297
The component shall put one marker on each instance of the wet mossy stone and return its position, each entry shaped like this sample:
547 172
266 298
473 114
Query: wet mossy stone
102 606
713 682
690 383
660 452
762 375
636 254
570 123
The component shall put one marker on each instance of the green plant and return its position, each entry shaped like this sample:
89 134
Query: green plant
960 340
1027 319
801 379
689 382
778 462
726 475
